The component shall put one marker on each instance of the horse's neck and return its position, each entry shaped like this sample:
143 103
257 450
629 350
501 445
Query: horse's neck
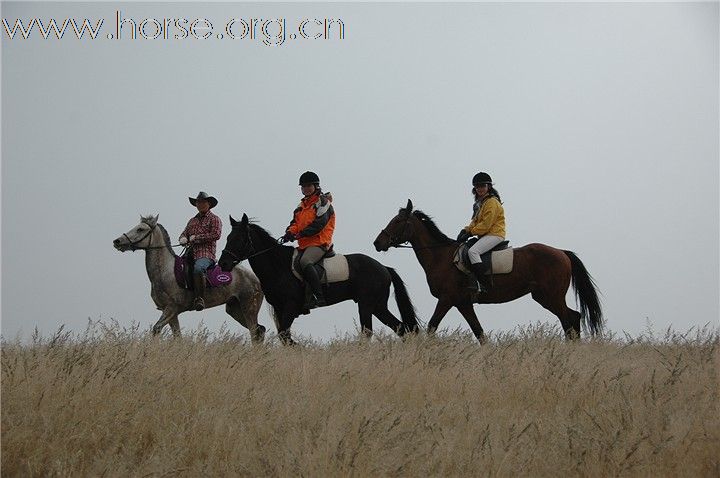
159 260
264 265
426 248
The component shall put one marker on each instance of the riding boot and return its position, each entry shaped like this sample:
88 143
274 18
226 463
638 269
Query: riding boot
199 284
311 276
479 271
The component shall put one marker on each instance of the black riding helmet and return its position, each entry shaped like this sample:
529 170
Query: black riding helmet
482 178
308 177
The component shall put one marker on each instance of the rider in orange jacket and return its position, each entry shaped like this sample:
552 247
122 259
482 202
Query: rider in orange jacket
312 226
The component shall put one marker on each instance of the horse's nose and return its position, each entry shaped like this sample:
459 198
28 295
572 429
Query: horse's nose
116 241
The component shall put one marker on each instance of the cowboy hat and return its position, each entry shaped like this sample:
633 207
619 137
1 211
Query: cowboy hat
202 195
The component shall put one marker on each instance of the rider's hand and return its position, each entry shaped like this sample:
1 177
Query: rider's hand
192 238
183 240
288 237
463 235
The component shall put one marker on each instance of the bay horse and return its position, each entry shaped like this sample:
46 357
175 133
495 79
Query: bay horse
242 297
540 270
368 284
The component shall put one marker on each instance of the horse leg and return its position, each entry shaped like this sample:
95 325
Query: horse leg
366 327
387 318
467 311
167 315
569 318
573 317
441 309
246 318
285 321
175 326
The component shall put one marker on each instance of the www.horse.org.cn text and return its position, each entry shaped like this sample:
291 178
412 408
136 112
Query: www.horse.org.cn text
270 32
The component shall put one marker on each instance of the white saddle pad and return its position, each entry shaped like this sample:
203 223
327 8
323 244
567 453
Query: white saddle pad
336 268
502 261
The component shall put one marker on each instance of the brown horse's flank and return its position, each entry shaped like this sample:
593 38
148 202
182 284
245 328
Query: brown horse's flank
540 270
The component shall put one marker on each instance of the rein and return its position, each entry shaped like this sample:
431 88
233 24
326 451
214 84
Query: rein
240 259
431 246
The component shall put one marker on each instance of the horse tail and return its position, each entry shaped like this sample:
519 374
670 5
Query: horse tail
407 309
586 294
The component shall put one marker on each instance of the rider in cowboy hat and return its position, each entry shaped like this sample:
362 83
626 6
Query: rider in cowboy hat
312 226
202 232
488 223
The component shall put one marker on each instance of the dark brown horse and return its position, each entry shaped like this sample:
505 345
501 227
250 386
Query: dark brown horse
540 270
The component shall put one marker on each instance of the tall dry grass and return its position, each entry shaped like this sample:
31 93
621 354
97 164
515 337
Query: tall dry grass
119 403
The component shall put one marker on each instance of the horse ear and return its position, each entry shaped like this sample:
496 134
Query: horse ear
409 206
233 222
153 220
245 219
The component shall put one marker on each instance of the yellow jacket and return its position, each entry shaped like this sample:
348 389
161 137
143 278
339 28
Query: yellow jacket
489 219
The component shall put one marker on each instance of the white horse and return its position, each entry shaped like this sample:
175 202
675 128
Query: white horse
242 297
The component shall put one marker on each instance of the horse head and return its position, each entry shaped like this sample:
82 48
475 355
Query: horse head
237 246
398 230
139 236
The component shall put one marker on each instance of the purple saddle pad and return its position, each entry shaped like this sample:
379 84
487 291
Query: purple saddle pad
215 275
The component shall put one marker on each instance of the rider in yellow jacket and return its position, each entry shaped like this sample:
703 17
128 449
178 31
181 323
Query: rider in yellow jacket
488 223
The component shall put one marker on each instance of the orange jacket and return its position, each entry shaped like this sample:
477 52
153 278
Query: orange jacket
313 222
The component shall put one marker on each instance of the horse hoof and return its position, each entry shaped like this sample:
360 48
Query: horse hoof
259 336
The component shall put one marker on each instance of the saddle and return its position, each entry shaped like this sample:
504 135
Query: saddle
500 258
215 276
333 267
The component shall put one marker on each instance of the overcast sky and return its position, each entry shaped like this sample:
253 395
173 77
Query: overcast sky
598 123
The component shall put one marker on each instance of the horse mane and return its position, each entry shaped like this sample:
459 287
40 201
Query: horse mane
163 231
262 234
279 257
432 228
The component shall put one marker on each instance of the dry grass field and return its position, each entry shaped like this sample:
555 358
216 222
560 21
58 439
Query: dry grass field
116 402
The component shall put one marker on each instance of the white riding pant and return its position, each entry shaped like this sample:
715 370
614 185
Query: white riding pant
483 245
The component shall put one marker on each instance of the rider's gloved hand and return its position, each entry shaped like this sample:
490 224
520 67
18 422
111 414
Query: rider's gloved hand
288 237
463 235
183 240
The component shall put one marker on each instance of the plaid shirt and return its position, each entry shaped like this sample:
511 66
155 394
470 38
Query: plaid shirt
207 229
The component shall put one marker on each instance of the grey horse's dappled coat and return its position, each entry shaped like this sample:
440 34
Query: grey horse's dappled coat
242 298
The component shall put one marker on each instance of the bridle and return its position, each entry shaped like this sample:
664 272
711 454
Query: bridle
133 244
238 259
395 241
